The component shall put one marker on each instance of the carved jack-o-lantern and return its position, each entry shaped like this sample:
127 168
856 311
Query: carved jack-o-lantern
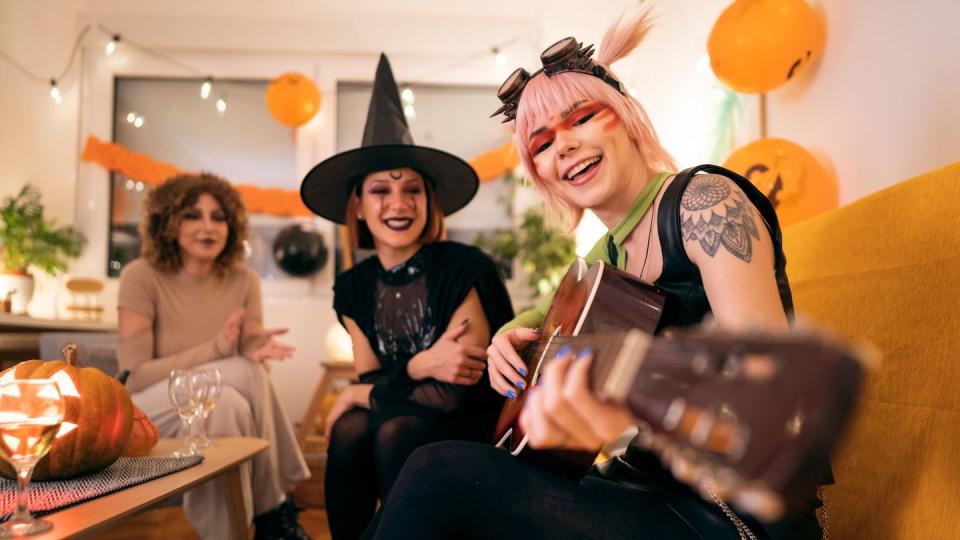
97 420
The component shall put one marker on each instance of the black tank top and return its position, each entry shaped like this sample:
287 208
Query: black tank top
686 300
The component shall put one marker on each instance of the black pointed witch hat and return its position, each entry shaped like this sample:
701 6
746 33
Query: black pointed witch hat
387 144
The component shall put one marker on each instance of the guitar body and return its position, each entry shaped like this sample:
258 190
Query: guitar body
600 299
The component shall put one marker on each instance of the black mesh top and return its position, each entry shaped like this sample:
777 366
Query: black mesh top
404 310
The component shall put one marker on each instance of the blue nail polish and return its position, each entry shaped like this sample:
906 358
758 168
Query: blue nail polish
520 385
523 372
564 351
511 394
584 353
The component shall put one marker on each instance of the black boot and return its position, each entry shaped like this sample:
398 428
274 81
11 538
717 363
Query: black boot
280 523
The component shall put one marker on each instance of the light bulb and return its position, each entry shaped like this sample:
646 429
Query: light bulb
409 112
55 92
131 117
138 121
206 87
499 58
407 96
112 45
222 105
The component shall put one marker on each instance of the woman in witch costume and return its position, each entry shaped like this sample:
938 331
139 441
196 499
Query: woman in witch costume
419 313
711 242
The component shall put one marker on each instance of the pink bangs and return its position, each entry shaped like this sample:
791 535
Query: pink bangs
545 97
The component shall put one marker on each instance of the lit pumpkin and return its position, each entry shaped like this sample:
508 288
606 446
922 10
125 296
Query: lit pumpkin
97 420
143 436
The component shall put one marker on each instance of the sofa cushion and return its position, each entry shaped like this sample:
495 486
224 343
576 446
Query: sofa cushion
886 270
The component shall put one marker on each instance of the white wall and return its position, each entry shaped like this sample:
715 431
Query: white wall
884 104
881 105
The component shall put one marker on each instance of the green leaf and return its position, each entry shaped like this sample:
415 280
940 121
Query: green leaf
28 240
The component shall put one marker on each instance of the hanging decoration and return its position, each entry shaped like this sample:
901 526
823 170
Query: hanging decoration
758 45
798 186
116 157
293 99
299 250
497 162
279 202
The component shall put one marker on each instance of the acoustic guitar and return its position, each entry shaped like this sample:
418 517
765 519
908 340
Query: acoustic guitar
747 416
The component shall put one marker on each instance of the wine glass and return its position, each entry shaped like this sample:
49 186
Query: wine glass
187 390
214 389
31 411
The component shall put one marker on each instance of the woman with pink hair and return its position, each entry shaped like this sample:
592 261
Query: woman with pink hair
711 242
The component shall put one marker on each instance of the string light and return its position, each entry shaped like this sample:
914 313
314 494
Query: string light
206 88
222 104
498 57
138 122
407 96
409 112
55 92
112 44
131 117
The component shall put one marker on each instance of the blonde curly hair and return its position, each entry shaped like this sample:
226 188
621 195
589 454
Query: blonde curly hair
163 211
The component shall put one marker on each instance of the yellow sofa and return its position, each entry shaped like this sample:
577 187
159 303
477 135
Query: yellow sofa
886 270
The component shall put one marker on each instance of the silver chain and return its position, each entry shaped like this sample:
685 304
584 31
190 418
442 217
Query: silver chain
742 529
823 513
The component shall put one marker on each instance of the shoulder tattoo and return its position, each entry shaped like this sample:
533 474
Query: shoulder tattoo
716 214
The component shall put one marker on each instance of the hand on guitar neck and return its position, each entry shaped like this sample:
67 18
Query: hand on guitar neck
744 416
562 412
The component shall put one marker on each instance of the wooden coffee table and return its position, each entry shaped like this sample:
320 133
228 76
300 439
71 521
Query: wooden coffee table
220 464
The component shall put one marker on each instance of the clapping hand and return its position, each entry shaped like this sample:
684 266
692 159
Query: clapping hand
270 349
230 332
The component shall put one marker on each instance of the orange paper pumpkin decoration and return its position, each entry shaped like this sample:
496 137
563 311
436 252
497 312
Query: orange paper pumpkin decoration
143 436
293 99
758 45
798 186
98 417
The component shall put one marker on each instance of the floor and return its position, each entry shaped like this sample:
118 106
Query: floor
170 523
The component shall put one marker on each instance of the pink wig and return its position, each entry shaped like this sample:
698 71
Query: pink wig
545 96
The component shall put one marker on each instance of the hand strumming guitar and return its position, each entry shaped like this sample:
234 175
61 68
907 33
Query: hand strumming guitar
506 368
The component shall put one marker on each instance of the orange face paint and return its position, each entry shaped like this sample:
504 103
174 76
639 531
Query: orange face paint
577 117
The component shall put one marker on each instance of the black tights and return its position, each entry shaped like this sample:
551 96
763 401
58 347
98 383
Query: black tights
363 463
468 491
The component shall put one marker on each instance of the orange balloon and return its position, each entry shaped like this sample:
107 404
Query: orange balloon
758 45
293 99
798 186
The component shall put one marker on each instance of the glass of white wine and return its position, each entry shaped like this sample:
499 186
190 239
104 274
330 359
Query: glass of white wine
31 411
214 389
188 390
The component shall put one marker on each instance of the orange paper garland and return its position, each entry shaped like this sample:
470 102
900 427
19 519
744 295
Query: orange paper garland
278 202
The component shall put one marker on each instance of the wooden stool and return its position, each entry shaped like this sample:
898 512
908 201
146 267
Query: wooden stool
332 370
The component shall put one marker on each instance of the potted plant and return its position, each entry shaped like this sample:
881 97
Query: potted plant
30 242
544 253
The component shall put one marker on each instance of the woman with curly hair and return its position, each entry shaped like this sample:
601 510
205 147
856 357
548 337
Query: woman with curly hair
188 301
